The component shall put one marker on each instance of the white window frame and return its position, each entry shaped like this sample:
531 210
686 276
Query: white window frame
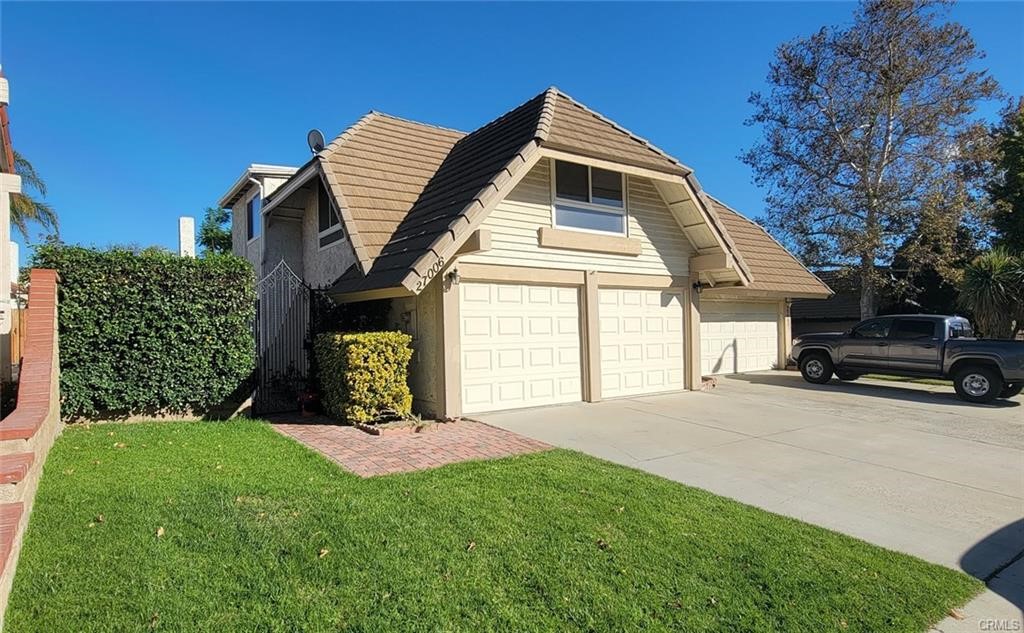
336 228
248 218
588 206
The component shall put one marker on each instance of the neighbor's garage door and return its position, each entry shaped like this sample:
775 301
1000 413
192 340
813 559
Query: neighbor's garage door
641 341
520 346
738 336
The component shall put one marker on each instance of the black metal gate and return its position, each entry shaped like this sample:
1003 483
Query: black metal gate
285 307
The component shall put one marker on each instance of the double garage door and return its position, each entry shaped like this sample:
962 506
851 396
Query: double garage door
738 337
521 344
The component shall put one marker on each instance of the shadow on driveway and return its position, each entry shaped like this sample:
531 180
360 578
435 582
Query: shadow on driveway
978 561
895 391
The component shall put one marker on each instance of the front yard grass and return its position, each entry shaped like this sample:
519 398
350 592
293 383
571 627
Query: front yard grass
233 527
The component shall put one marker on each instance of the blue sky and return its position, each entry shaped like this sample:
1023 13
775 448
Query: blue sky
137 113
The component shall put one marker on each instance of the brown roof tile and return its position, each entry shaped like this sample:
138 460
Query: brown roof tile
409 192
774 268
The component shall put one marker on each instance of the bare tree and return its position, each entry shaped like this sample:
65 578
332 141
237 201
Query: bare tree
868 138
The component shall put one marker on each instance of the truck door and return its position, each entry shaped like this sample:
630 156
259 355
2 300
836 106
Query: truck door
867 345
915 345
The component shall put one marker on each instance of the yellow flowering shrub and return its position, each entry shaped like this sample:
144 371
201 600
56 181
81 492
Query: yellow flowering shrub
364 375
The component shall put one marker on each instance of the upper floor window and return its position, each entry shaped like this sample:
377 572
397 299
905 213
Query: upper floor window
327 219
589 198
253 222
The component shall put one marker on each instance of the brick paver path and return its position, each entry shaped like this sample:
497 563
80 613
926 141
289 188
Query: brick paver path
369 455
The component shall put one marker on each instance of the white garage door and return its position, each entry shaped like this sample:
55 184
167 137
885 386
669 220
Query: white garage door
641 341
520 346
737 337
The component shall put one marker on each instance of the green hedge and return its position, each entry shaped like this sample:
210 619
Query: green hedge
363 376
149 331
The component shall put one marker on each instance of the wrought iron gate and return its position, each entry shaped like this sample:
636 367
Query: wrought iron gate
285 311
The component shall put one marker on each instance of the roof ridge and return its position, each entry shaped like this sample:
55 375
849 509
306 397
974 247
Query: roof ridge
511 110
346 134
649 145
414 122
547 113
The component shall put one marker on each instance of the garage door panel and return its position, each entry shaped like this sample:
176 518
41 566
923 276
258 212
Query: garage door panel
641 341
520 346
738 337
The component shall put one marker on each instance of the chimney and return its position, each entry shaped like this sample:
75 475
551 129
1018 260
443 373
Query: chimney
186 236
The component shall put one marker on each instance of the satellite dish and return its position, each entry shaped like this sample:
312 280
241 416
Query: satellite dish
315 138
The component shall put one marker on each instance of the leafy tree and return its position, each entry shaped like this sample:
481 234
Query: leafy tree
27 208
215 231
993 290
1007 185
868 138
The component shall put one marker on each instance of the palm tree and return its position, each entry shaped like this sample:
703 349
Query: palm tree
993 290
26 208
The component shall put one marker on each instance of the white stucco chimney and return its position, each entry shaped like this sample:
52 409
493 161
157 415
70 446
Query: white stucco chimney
186 236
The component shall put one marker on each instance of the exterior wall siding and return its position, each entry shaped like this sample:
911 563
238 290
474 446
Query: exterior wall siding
322 267
239 244
283 240
515 221
419 317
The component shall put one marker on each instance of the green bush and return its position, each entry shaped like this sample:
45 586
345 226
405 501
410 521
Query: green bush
149 331
363 376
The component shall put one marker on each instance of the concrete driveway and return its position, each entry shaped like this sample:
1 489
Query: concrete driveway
908 467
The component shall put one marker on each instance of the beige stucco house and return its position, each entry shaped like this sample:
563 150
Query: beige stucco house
550 256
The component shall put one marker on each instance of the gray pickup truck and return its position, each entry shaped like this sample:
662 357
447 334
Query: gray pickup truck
916 345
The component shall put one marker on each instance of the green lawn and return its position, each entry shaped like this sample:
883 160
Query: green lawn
259 534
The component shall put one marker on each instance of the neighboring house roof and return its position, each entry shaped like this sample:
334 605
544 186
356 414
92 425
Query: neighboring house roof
243 183
842 306
774 268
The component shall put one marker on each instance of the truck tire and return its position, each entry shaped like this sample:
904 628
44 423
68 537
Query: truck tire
978 384
816 367
1011 389
846 376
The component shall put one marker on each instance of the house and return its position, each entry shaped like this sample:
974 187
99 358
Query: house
837 313
550 256
244 198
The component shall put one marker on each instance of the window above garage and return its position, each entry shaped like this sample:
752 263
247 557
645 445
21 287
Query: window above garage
588 198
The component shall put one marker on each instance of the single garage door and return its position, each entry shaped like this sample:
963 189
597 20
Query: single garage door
520 346
738 336
641 341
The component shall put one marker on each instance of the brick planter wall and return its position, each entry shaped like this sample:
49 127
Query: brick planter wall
27 434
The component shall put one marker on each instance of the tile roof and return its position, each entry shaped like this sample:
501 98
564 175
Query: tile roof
773 267
409 192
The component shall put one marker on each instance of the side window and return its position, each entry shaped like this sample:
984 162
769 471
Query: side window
328 225
252 217
873 329
914 329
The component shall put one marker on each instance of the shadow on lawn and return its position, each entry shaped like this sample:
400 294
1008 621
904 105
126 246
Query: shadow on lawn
929 394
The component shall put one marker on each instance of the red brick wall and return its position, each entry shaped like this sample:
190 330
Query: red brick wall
27 434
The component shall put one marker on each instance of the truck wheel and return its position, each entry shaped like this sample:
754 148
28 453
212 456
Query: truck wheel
847 376
1011 389
816 367
977 384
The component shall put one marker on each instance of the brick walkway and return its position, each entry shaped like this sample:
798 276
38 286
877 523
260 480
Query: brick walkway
369 455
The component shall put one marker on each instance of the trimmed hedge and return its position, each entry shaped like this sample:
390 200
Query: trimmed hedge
145 332
363 376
